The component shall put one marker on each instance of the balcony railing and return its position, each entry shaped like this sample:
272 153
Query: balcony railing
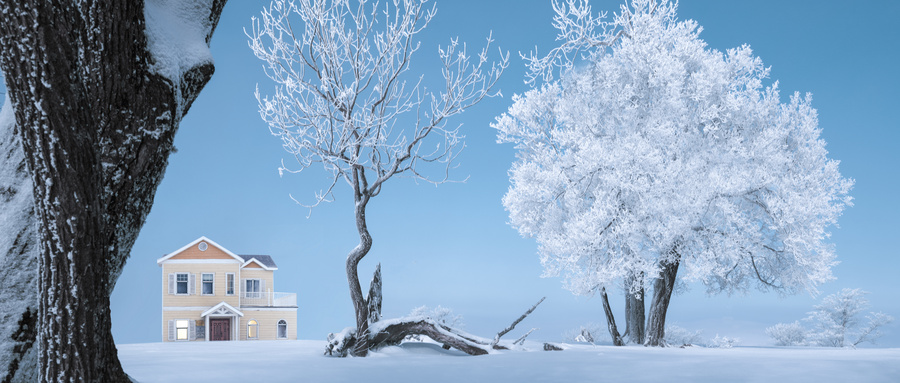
268 299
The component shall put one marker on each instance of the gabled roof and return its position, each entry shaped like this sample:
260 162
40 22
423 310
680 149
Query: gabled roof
265 261
222 309
196 241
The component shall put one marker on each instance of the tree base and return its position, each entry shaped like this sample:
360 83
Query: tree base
392 331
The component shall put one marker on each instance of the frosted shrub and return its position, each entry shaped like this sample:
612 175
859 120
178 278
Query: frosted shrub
723 342
676 336
787 334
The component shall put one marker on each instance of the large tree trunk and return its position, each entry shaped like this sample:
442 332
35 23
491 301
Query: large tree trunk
97 117
610 320
634 310
662 293
18 259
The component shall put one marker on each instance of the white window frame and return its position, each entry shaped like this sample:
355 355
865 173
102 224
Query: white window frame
254 325
281 322
256 293
212 283
187 329
229 283
186 281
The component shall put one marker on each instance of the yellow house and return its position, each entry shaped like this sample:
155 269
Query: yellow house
210 293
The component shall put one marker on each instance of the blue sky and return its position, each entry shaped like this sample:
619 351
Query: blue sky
450 245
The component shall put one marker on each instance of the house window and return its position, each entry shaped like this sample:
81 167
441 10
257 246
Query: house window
282 329
252 290
182 329
208 283
252 329
181 283
229 284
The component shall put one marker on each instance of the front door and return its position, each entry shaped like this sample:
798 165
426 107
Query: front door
219 328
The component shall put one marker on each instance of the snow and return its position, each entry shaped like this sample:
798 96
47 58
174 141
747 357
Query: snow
17 234
292 361
176 35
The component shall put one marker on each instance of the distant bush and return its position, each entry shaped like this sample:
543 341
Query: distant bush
722 342
788 334
677 336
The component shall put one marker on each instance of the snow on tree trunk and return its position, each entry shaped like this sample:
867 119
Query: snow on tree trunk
634 311
662 293
373 300
98 90
610 320
392 332
18 257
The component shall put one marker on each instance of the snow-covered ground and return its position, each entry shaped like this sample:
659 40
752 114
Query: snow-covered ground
302 361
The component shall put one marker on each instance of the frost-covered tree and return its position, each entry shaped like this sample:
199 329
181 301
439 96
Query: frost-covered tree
344 100
97 90
836 321
644 156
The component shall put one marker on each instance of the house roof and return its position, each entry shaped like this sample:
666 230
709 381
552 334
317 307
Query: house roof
222 309
265 261
196 241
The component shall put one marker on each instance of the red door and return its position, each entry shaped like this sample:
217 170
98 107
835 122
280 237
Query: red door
219 328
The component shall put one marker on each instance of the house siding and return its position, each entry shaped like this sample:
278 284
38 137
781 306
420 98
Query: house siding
183 314
266 275
218 269
268 320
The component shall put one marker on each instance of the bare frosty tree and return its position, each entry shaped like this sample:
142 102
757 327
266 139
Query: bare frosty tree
97 90
660 158
344 101
836 321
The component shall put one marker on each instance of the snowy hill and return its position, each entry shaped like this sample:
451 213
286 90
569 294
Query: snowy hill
293 361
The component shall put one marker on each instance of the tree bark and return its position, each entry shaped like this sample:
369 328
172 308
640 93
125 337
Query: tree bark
610 320
97 125
373 300
394 333
515 322
634 311
662 293
356 296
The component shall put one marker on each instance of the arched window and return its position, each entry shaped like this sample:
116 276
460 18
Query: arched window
282 329
252 329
